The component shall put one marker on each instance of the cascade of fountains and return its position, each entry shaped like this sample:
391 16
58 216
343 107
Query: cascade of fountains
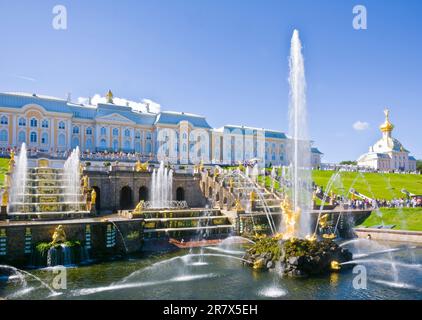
161 187
72 178
300 155
19 177
255 173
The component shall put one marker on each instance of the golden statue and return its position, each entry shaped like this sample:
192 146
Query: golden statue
238 206
85 182
323 221
109 96
12 155
93 197
5 198
241 166
59 236
231 183
139 207
11 163
290 217
252 196
141 167
201 166
216 172
335 265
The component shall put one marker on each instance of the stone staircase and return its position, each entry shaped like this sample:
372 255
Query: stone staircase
226 190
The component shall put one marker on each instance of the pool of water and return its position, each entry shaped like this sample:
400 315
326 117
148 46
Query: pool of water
393 272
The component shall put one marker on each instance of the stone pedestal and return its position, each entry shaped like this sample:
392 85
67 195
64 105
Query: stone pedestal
3 213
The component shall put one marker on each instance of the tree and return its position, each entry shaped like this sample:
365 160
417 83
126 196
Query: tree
347 162
419 166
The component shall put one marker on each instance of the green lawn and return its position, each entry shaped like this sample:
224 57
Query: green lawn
408 219
378 185
4 164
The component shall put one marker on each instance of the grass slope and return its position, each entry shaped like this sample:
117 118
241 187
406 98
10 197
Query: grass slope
405 219
4 164
378 185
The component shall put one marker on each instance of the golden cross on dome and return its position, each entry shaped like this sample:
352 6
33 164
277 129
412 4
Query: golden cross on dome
387 113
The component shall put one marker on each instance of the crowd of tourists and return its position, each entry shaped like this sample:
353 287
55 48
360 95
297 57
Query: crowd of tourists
85 155
383 203
365 203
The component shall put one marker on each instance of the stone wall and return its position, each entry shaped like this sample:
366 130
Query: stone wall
389 235
131 231
111 184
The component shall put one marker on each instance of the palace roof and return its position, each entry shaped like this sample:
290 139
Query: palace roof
315 150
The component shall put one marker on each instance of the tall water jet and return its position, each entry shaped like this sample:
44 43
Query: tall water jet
19 177
300 155
72 180
161 187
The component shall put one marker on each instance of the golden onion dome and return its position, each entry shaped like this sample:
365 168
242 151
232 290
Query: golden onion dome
387 126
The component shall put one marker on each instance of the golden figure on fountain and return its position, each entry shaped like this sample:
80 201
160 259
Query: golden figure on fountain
252 198
85 182
141 167
238 206
139 207
5 198
59 236
93 197
290 217
11 162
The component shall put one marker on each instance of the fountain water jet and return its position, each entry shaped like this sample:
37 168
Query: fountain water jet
72 178
19 177
161 187
300 153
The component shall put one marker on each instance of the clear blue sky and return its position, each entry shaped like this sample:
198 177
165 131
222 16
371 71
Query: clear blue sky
228 60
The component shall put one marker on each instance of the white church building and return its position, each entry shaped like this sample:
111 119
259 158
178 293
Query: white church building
387 154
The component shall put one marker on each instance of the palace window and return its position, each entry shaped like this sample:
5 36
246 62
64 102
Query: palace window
137 134
137 147
148 147
44 138
89 131
4 136
75 142
103 144
34 123
148 135
115 132
4 120
22 122
33 137
61 125
103 131
185 136
75 130
44 124
22 136
89 144
115 145
127 133
62 140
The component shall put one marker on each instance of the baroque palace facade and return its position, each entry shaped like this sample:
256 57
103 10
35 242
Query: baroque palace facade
53 125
